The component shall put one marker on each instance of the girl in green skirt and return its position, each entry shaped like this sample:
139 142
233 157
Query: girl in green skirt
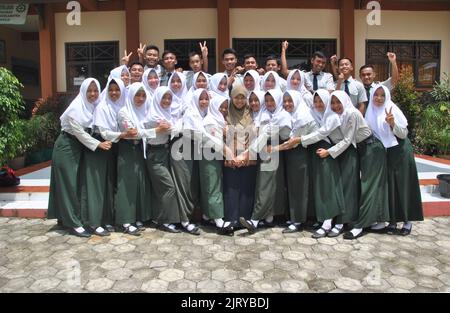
390 125
99 166
298 161
352 130
133 199
270 192
64 199
165 206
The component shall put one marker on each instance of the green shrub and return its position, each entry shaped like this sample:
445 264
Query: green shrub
441 90
11 105
44 129
433 132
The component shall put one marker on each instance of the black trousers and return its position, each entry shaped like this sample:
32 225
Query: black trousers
239 192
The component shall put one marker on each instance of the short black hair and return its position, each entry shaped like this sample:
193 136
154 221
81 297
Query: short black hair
249 55
229 51
136 63
272 57
194 53
166 52
318 54
345 58
366 66
151 47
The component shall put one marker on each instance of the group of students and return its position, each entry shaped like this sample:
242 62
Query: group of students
242 145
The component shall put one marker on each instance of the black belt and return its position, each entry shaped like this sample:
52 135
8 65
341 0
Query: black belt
133 142
163 145
368 141
98 136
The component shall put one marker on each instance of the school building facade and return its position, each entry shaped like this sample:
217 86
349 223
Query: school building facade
50 56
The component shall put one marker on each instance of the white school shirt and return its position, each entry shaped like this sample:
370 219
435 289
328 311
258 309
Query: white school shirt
357 91
324 80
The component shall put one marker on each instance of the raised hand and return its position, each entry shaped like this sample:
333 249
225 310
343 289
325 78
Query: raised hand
389 117
392 57
284 45
333 59
204 49
141 49
126 58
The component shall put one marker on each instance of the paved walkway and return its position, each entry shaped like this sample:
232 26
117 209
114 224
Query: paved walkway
35 258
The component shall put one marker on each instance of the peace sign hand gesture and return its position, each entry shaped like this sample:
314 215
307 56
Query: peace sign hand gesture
141 49
389 118
204 49
126 58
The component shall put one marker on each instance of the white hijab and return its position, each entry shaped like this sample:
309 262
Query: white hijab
80 109
105 114
349 110
116 73
277 80
157 113
179 104
214 117
257 116
214 85
193 117
328 120
191 91
256 78
301 114
376 115
279 116
150 91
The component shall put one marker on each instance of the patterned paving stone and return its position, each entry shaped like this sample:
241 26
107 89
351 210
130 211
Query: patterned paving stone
155 285
401 282
182 286
350 284
266 285
171 275
210 286
294 286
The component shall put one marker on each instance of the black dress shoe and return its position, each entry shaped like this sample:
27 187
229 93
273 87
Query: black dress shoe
109 228
376 231
391 230
289 230
247 224
317 235
404 231
83 234
134 232
168 229
349 235
333 234
141 227
226 231
194 231
103 233
264 224
208 222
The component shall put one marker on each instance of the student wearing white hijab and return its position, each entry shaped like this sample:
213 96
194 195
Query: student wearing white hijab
164 195
297 160
177 85
133 184
99 166
64 200
122 73
270 193
199 80
151 81
218 85
325 172
208 138
252 81
296 81
271 80
390 126
353 130
256 103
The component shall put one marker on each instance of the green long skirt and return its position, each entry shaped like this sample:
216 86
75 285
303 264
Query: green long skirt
351 185
373 204
326 184
185 173
64 198
211 188
297 180
164 206
133 198
270 190
405 202
98 175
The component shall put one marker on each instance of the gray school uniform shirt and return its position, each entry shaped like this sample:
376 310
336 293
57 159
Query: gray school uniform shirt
125 123
71 126
324 80
357 91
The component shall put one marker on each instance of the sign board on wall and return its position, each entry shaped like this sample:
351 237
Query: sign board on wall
13 13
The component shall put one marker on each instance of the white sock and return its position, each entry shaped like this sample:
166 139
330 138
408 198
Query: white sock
185 224
126 225
79 229
407 225
171 226
356 231
292 227
189 227
219 222
131 228
138 223
100 229
255 222
338 226
327 224
377 226
289 222
226 224
205 217
269 219
108 226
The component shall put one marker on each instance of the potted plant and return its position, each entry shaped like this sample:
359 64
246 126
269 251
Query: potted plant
11 128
